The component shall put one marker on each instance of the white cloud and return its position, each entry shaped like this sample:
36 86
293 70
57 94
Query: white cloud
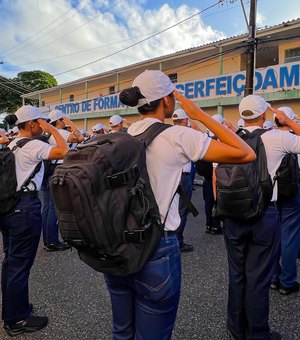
122 25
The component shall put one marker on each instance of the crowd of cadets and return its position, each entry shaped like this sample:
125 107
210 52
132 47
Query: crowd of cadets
247 302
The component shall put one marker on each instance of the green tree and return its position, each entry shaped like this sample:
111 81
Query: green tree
25 82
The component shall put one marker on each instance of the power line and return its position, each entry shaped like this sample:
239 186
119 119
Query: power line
111 44
139 42
16 83
190 64
68 33
11 89
83 51
41 30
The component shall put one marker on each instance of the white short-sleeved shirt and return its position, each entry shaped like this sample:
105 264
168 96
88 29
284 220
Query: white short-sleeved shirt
27 159
166 156
277 143
65 134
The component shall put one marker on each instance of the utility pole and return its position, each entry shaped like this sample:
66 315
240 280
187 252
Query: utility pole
251 50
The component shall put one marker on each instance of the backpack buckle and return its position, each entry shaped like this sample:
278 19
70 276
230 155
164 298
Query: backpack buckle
137 235
122 178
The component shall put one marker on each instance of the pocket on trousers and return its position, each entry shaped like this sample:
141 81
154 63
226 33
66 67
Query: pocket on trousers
154 281
19 223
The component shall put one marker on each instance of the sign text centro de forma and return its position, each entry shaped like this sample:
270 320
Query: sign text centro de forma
270 79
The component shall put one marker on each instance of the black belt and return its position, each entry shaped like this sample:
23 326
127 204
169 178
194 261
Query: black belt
29 194
186 173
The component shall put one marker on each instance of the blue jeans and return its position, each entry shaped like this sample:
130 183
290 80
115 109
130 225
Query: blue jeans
21 232
290 240
49 218
187 186
251 248
144 305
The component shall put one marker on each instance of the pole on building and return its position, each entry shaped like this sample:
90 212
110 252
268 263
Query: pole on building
251 50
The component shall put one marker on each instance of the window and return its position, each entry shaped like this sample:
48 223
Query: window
43 103
111 90
173 77
71 98
292 55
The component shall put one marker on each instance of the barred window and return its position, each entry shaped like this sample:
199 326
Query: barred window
292 55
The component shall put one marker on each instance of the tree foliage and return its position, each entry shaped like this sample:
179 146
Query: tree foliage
25 82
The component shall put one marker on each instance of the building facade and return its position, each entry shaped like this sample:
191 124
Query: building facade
213 75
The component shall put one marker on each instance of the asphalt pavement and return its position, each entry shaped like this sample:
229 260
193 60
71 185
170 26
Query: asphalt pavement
75 298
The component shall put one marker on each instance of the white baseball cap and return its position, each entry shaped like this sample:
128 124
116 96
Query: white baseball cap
254 103
98 127
179 114
153 85
28 112
115 120
268 124
55 115
15 129
287 111
218 118
241 123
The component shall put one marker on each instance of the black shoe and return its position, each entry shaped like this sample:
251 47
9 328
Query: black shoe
275 285
275 336
208 229
59 246
286 291
32 324
215 231
184 247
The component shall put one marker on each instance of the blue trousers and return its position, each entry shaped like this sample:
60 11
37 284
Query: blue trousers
290 240
251 248
187 186
209 201
21 232
144 305
49 218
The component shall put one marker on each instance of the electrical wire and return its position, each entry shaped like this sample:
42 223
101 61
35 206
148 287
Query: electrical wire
11 89
68 33
139 42
41 30
111 44
189 65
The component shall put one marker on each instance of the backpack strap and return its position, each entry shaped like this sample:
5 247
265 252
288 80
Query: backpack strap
20 144
187 201
152 132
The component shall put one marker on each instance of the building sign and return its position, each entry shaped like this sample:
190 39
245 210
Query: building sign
270 79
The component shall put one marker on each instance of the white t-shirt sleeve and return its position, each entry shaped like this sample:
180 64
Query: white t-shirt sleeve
290 143
64 133
189 143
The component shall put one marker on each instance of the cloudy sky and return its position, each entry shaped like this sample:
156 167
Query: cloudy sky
76 38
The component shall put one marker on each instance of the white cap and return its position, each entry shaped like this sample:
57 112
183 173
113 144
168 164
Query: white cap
287 111
254 103
55 115
28 112
218 118
241 123
268 124
97 127
15 129
153 85
179 114
115 120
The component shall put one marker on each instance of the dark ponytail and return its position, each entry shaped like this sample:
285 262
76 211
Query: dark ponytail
131 96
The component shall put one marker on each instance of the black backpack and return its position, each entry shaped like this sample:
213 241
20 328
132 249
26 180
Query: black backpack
9 196
287 177
244 190
105 205
204 168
